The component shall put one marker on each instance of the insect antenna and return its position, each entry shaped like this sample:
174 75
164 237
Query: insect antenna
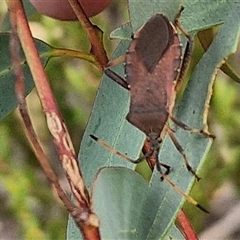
111 149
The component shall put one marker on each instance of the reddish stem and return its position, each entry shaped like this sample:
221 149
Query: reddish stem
186 226
93 32
85 219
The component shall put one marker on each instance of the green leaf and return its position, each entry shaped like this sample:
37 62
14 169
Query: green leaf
196 16
175 234
159 204
120 203
8 100
205 14
123 33
140 13
29 10
205 37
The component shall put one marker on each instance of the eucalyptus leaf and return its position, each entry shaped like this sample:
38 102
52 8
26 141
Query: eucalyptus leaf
174 234
197 15
8 100
119 203
29 10
123 33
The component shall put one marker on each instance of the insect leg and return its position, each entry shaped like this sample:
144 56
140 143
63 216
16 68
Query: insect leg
188 49
151 160
181 151
116 78
194 130
116 61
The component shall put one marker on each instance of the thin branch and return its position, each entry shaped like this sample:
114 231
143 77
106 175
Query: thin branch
93 32
186 226
20 93
83 216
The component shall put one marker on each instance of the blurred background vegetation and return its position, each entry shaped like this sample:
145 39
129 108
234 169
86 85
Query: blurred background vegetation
29 208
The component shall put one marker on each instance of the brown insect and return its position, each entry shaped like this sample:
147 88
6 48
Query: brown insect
154 66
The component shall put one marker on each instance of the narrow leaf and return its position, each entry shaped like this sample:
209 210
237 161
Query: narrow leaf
8 99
